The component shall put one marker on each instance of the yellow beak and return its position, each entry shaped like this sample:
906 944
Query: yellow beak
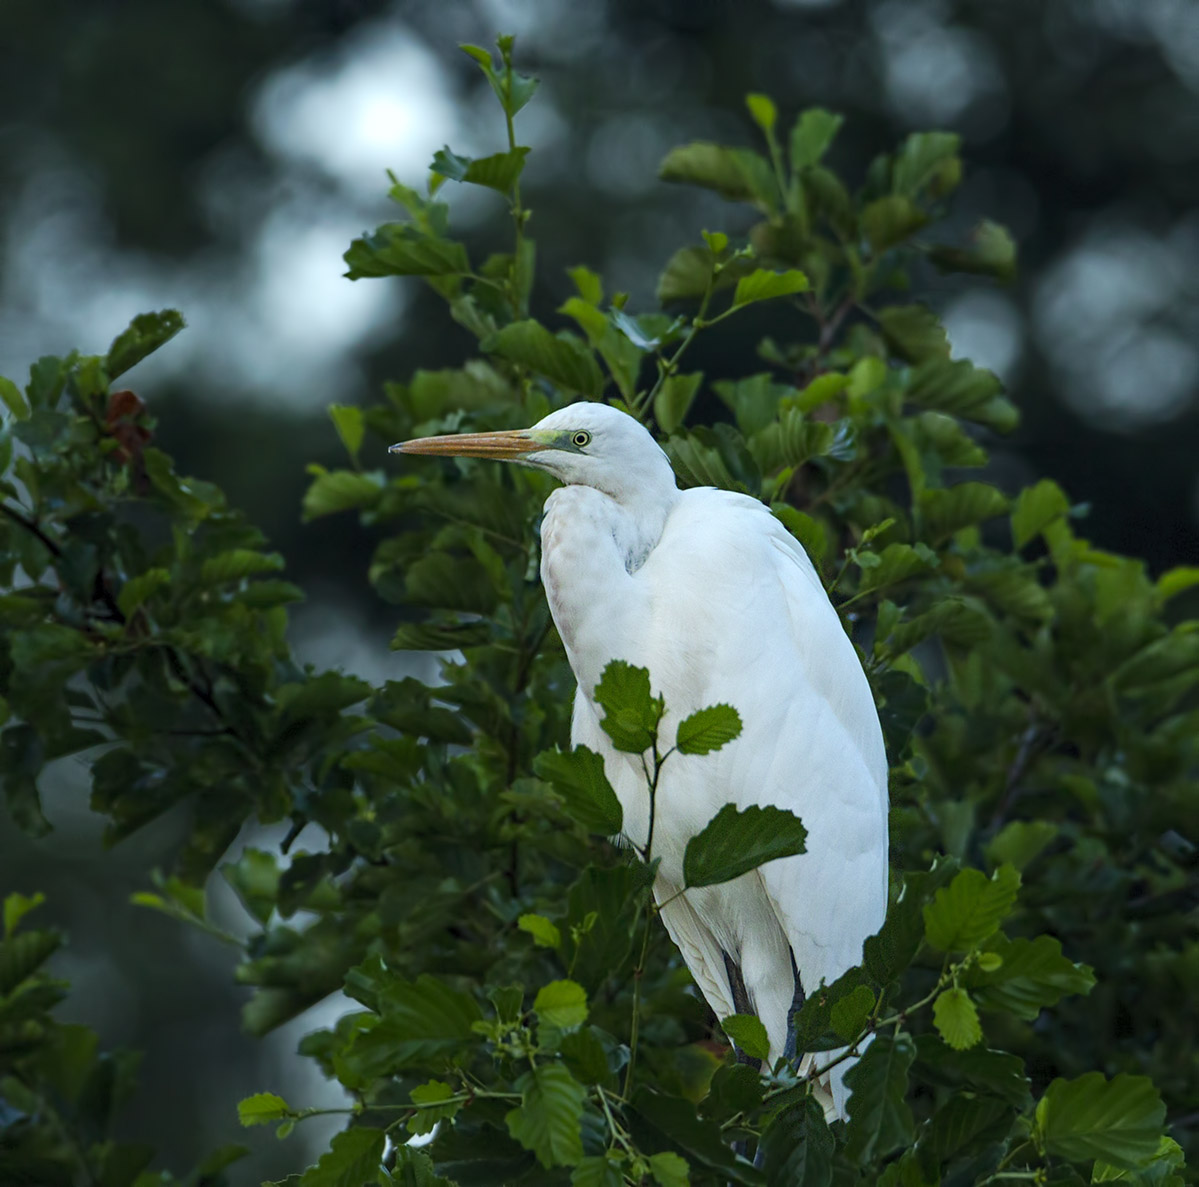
508 445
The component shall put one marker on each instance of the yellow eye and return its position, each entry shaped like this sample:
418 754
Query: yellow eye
581 439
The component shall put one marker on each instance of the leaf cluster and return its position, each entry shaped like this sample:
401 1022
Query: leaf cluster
1026 1007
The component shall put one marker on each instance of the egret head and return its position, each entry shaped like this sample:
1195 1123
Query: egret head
584 444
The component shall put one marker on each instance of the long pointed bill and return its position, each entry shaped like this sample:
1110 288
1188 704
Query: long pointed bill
506 446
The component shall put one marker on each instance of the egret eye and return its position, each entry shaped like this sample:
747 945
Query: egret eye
581 439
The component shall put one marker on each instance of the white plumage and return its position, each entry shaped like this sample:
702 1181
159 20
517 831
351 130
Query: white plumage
707 590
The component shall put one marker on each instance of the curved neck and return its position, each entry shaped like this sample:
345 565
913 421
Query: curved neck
640 528
644 496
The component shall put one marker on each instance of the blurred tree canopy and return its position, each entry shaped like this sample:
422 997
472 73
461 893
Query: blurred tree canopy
1029 998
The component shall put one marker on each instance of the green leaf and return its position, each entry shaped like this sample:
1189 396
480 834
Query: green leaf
255 878
137 589
1156 1173
429 1007
561 358
1032 974
977 1070
950 509
956 1018
353 1160
701 457
717 242
414 1168
499 171
592 320
586 1054
1020 842
549 1119
674 399
238 563
708 729
589 284
320 694
22 955
914 332
896 563
437 1104
262 1108
813 1021
14 399
545 934
747 1031
656 1120
848 1014
807 530
992 252
1035 509
970 909
440 636
957 620
736 173
597 1171
1119 1121
879 1118
21 795
1015 591
793 440
1175 581
17 906
1175 654
754 401
927 162
763 284
512 89
561 1004
763 111
420 1020
688 273
400 249
797 1147
631 711
350 423
445 582
578 779
957 386
890 220
669 1169
811 136
144 335
476 385
340 490
735 842
602 905
964 1124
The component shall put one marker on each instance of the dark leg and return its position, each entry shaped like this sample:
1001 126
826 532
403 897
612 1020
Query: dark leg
740 1000
797 1002
741 1006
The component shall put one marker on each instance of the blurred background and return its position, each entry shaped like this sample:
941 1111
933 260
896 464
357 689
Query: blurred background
217 156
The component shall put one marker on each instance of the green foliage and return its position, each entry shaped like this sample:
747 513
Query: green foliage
708 729
970 909
262 1108
579 780
1118 1121
747 1031
631 711
737 841
520 1003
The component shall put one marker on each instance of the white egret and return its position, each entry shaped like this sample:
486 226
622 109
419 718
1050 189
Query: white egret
707 590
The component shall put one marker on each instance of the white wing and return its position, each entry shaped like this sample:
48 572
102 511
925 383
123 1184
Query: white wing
728 608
